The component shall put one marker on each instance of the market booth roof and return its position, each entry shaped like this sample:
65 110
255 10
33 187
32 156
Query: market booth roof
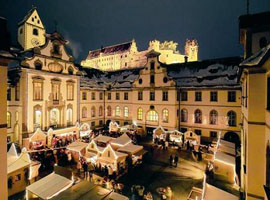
77 146
103 138
130 148
49 186
214 193
122 140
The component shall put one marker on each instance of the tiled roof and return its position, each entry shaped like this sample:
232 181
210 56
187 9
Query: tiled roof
109 49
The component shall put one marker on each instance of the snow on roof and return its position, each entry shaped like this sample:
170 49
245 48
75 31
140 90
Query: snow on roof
77 146
49 186
214 193
15 163
103 138
116 196
122 140
256 58
225 157
130 148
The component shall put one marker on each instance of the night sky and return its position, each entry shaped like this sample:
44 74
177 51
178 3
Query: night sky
90 24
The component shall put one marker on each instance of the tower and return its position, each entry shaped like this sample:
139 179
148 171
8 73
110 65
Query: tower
31 32
191 50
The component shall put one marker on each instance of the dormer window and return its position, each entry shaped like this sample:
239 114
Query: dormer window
70 71
38 21
35 31
38 65
56 49
152 66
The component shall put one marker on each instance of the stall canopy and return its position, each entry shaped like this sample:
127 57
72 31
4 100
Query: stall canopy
190 135
15 162
103 138
77 146
225 158
49 186
122 140
39 135
214 193
130 149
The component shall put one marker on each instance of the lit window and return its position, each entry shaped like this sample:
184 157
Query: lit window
55 91
198 116
38 90
70 91
140 114
231 118
125 111
165 115
152 116
8 119
37 117
184 115
69 117
117 111
213 117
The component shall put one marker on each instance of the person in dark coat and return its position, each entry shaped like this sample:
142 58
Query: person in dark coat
188 145
171 160
176 160
85 169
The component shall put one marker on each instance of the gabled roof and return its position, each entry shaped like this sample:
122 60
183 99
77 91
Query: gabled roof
103 138
77 146
122 140
27 15
110 49
15 162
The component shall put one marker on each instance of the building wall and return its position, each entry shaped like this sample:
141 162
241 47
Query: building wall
18 185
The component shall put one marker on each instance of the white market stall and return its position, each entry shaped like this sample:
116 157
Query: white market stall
114 127
85 130
134 151
159 133
92 151
48 187
175 136
103 140
121 141
77 149
37 140
192 137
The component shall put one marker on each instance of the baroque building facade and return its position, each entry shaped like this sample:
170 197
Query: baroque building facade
126 55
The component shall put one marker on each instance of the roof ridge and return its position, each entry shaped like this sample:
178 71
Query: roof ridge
112 46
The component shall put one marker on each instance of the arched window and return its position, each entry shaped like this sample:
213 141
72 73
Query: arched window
117 111
69 116
100 111
140 114
198 116
37 117
125 111
70 71
35 31
152 116
38 65
184 115
8 119
109 111
165 115
84 112
213 117
93 111
231 118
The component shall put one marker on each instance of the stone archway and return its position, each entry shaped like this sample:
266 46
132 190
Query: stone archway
232 137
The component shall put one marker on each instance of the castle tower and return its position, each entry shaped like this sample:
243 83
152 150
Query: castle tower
154 45
191 50
31 32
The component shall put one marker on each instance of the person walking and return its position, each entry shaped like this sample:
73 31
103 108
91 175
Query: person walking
171 160
176 160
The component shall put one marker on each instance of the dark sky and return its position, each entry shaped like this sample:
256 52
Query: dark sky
88 24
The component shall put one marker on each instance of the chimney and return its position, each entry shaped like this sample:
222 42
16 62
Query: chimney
186 59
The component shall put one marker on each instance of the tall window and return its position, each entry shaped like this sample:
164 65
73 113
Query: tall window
213 96
100 111
117 96
35 31
17 92
165 115
140 95
70 70
184 115
70 91
38 91
55 90
9 94
37 117
109 96
69 116
231 96
198 116
8 119
152 116
93 111
125 111
184 96
117 111
213 117
84 96
152 66
165 95
152 96
100 96
126 96
56 49
198 96
231 118
93 96
140 114
109 111
84 112
152 79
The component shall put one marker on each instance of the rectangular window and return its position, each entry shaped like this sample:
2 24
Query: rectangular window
152 96
84 96
100 95
231 96
38 91
117 96
9 94
109 96
198 132
213 134
17 92
165 96
198 96
100 122
55 91
140 95
152 66
214 96
126 96
93 124
152 79
93 96
70 92
184 96
268 93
